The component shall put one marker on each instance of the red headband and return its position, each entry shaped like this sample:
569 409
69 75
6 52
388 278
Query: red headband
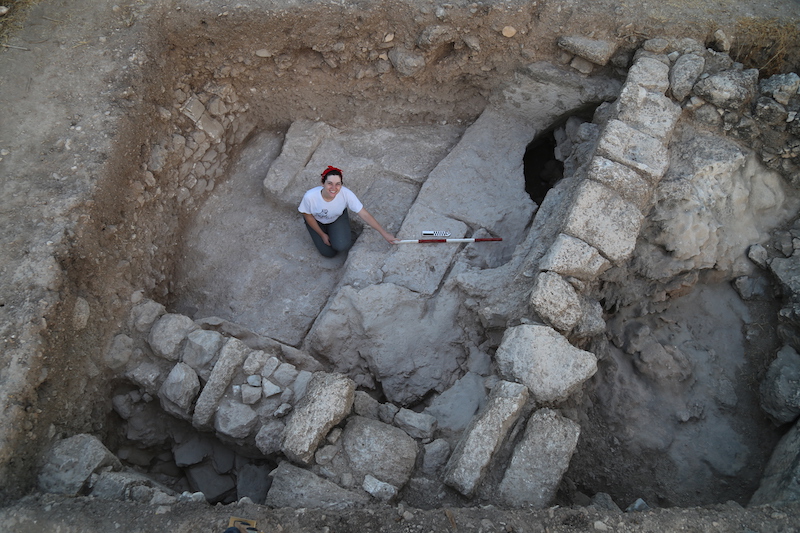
329 170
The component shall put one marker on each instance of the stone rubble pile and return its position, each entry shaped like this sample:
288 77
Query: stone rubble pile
314 432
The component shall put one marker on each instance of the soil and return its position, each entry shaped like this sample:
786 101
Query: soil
81 86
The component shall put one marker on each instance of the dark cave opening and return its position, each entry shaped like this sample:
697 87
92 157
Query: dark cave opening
542 169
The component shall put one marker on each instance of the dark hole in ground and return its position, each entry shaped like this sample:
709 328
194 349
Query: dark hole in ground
542 169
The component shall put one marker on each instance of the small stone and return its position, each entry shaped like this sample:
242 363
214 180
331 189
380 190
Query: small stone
509 31
263 53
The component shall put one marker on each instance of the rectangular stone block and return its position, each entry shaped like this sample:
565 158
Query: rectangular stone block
628 183
648 111
539 460
600 217
627 145
649 73
231 357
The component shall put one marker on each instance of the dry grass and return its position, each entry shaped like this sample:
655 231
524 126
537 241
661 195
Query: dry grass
11 21
766 44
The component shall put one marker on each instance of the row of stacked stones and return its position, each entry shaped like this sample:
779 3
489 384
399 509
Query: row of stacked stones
341 444
630 158
187 163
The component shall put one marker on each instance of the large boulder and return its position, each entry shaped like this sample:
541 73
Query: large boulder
298 488
379 450
780 389
392 334
556 301
71 462
780 482
328 400
544 361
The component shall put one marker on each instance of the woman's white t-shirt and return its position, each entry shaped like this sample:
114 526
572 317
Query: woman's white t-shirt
327 212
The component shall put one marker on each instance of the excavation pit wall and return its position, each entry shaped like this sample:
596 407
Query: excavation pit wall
159 216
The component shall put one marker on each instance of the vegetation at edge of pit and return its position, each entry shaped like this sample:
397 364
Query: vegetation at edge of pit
12 19
766 44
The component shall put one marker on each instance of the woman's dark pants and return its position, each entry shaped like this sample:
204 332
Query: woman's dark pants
339 233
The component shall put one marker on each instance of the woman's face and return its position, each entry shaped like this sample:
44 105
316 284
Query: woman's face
332 185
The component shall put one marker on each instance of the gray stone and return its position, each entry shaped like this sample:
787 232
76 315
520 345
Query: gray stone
780 483
781 87
584 66
250 394
284 375
600 217
572 257
539 460
421 268
298 488
544 361
365 405
216 487
406 62
200 351
300 385
144 314
370 334
269 388
603 501
119 353
591 322
180 387
268 438
231 357
684 75
455 407
253 481
329 399
168 333
632 148
380 450
787 270
192 451
284 180
650 73
387 412
255 363
235 419
648 111
436 454
417 425
596 51
758 255
147 375
780 388
729 89
556 301
70 463
378 489
482 439
128 485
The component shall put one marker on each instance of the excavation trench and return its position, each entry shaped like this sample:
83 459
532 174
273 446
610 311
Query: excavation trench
200 231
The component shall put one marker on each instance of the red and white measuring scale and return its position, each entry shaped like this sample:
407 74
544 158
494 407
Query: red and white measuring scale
443 234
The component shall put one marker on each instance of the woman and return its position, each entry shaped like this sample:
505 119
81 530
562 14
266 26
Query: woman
324 209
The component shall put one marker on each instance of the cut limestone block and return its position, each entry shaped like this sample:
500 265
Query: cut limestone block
544 361
484 436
